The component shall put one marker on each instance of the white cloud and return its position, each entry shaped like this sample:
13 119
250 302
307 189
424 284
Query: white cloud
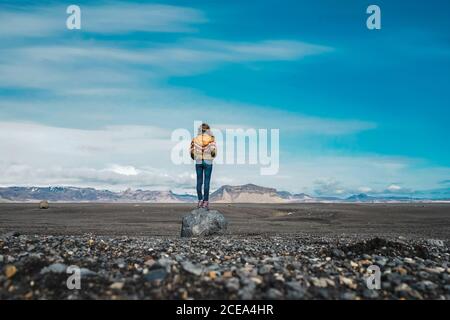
91 67
116 17
118 157
394 188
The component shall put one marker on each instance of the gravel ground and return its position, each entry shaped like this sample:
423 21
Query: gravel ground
226 267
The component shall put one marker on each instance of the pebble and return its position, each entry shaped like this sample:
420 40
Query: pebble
265 269
55 268
10 271
117 285
192 268
274 294
232 284
156 274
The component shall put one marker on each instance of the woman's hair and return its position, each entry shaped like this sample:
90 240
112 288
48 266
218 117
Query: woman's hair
205 127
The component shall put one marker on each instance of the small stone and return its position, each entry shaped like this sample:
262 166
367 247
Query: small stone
54 268
117 285
402 271
10 271
90 242
212 275
227 274
348 282
28 295
370 294
156 275
265 269
256 280
409 261
149 262
87 273
274 294
403 287
295 290
353 264
192 268
43 204
232 284
349 296
322 282
426 285
338 253
435 242
435 270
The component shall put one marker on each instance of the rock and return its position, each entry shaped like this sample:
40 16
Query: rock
435 242
232 284
1 258
156 275
370 294
273 294
247 292
348 282
192 268
55 268
11 234
202 222
426 285
87 273
348 296
338 253
295 290
265 269
10 271
322 282
117 285
43 204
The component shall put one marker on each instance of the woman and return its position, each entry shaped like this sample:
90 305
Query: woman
203 151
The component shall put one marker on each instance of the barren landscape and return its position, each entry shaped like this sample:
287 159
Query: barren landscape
412 220
288 251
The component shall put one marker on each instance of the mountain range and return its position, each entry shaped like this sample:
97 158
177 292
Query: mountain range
248 193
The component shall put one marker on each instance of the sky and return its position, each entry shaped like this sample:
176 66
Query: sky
358 110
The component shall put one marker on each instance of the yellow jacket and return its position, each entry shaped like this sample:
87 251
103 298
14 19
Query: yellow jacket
203 147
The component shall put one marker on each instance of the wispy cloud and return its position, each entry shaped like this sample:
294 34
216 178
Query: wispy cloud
96 65
116 17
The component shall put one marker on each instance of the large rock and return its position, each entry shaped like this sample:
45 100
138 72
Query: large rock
202 222
43 204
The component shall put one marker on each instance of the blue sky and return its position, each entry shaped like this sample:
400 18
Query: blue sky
358 110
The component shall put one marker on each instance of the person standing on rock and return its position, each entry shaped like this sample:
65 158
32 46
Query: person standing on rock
203 151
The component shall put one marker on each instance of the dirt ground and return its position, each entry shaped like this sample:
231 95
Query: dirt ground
409 220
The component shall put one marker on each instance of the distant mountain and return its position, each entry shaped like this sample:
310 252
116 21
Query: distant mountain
248 193
362 197
73 194
251 193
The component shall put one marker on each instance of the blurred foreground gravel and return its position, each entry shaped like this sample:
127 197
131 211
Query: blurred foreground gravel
225 267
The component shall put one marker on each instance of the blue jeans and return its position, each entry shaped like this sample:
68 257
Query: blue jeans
206 170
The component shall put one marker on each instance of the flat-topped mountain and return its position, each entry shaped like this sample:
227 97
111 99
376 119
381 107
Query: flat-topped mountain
251 193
